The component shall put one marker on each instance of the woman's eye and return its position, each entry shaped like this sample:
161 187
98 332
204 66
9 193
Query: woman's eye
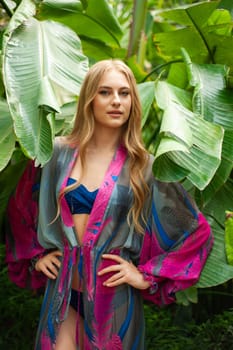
125 93
104 92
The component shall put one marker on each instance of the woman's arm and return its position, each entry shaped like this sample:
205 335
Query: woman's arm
22 245
177 242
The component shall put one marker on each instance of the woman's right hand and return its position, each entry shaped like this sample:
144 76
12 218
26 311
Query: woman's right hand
49 264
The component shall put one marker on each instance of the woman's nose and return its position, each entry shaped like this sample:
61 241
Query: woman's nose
116 99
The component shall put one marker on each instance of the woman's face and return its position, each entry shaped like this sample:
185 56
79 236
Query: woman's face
112 104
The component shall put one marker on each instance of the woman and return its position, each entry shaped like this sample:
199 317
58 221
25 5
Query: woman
110 233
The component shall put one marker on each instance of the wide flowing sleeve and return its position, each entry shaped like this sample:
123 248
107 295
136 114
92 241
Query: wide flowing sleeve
176 244
22 246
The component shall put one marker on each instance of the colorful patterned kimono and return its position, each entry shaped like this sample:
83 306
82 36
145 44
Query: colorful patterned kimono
171 253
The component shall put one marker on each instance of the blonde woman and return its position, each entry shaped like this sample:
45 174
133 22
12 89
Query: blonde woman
110 233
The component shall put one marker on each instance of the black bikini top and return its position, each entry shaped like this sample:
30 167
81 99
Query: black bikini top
80 200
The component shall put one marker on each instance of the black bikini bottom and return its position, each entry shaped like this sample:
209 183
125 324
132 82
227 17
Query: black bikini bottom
76 301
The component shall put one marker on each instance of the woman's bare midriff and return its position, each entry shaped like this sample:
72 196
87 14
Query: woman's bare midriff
80 223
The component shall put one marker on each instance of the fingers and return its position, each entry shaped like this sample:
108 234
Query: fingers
116 280
122 272
121 264
114 257
54 260
49 264
56 252
111 268
50 272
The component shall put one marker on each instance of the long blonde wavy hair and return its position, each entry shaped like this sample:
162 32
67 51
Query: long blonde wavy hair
84 126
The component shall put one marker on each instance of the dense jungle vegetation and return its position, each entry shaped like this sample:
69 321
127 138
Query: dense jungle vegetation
181 54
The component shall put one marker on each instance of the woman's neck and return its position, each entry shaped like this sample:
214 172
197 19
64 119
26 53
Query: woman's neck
104 142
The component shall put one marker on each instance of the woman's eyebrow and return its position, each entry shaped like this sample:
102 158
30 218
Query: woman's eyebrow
104 87
110 88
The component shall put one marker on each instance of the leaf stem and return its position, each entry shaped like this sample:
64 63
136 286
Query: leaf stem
137 26
6 8
157 68
203 38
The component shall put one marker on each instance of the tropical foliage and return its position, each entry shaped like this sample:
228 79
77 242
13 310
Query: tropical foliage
183 62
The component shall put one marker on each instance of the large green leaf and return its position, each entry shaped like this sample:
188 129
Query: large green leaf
168 44
65 5
211 99
186 296
224 170
189 141
204 156
221 21
43 67
191 15
214 101
65 119
97 50
216 270
95 21
209 28
147 96
7 135
227 4
220 203
26 9
221 45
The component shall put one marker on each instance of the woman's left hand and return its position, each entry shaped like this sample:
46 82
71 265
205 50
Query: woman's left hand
124 272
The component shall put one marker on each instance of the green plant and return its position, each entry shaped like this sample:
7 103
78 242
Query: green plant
19 309
164 334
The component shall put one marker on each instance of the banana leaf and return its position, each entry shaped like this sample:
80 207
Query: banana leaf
191 144
203 24
217 270
7 135
87 19
147 96
214 101
43 68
